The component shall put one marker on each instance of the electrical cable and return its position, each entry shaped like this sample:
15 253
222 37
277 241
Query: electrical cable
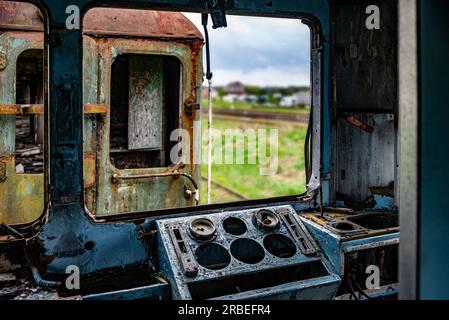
307 147
363 291
351 289
209 75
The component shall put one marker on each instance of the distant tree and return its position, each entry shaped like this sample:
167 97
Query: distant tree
221 91
253 90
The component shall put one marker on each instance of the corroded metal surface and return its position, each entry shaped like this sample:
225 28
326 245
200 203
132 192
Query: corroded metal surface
214 275
144 194
107 22
22 195
98 56
145 118
20 16
139 23
350 225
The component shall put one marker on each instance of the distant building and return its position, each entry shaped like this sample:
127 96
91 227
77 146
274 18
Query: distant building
263 98
250 98
247 98
235 88
299 99
231 98
278 96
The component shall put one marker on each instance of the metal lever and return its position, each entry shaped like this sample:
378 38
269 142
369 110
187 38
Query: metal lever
185 256
190 107
299 232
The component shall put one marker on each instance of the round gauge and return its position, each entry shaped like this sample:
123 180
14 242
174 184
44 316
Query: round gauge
266 220
202 229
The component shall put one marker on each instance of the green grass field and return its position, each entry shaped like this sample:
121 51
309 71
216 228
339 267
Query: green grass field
245 179
253 107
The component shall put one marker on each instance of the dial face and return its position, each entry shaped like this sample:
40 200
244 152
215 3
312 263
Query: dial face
266 220
202 229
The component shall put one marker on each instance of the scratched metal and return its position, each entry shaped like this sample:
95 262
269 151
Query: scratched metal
318 286
335 244
100 195
145 118
365 159
22 195
153 193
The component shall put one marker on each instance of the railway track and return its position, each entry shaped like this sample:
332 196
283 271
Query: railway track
226 189
278 116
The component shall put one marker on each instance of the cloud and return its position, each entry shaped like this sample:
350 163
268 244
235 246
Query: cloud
269 76
260 51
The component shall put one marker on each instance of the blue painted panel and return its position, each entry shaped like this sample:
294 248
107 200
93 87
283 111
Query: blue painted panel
434 150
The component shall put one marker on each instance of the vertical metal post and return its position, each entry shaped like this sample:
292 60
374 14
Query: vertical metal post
65 79
209 147
408 149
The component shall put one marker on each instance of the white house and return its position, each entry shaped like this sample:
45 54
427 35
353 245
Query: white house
301 98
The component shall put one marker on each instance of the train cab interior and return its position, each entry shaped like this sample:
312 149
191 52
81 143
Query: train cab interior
101 148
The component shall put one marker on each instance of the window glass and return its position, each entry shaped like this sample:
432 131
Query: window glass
261 100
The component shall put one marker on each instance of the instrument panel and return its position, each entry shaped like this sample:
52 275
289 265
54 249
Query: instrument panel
255 253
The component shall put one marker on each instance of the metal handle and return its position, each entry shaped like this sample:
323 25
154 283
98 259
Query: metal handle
175 174
116 177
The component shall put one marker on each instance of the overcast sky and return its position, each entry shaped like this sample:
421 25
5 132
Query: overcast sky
259 51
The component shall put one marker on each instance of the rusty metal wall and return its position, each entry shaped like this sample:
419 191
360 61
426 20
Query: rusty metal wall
135 195
366 98
21 195
366 60
365 159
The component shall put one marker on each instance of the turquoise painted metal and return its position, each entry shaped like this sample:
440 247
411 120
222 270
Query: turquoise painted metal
433 228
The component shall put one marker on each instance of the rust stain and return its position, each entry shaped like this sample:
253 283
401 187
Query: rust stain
21 109
110 22
89 170
34 109
151 24
95 108
3 61
22 195
8 109
357 122
111 32
20 16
